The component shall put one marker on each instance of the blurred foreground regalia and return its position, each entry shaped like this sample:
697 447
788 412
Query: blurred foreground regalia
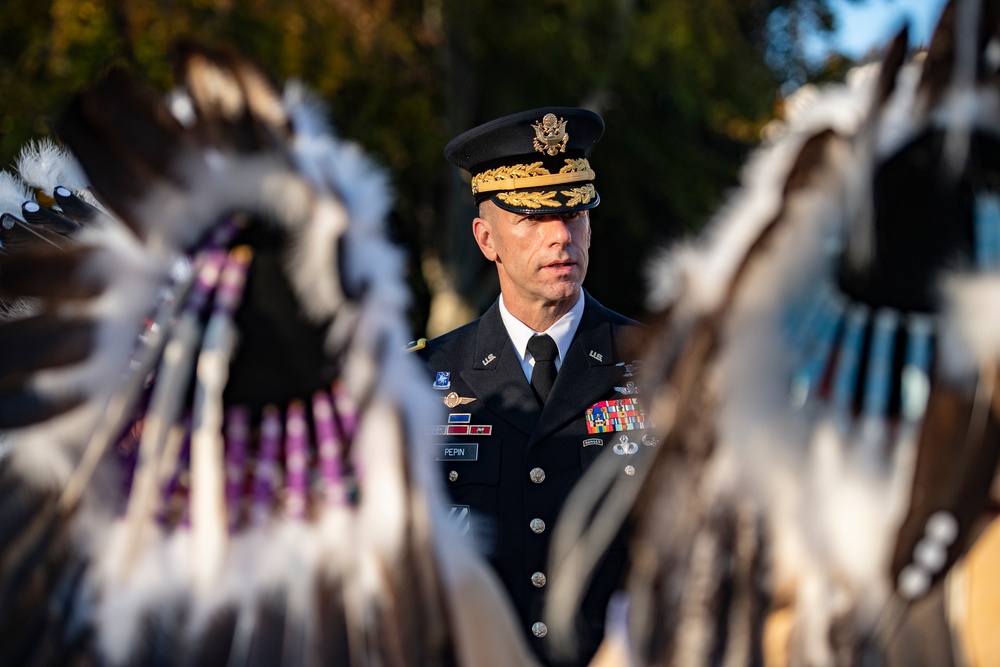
209 450
825 376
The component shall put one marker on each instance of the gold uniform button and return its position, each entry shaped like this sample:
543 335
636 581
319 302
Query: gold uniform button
452 476
538 580
537 475
539 629
537 526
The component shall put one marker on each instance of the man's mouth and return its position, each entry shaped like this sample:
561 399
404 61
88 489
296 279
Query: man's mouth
564 264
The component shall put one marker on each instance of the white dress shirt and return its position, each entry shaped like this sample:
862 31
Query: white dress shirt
561 332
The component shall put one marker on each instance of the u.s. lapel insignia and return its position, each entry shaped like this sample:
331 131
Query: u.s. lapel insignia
594 354
625 447
453 400
489 359
628 390
442 380
630 369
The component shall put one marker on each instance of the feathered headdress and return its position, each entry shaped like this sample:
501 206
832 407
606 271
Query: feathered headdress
212 449
827 401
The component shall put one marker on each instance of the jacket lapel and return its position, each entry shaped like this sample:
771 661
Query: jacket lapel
496 377
586 376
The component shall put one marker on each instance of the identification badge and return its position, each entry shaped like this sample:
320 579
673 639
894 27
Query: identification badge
458 451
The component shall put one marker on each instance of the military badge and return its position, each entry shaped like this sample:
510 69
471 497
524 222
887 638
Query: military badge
453 400
593 442
550 135
442 380
629 389
650 440
625 447
630 369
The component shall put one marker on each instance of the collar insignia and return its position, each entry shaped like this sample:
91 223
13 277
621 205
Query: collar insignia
596 355
488 360
550 135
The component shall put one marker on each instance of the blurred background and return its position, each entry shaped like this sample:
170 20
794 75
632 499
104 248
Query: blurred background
685 87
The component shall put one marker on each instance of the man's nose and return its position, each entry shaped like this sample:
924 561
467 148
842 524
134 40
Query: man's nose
557 229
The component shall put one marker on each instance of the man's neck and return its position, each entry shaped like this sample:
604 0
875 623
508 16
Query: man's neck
540 316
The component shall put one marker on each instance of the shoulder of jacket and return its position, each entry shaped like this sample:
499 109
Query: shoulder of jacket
415 345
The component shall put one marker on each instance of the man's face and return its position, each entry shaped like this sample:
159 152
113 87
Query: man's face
541 259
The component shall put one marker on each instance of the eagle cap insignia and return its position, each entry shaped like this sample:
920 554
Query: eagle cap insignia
550 135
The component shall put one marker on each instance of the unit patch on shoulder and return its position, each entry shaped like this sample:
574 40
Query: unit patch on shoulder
416 345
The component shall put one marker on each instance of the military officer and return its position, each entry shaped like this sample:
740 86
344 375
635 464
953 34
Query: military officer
541 384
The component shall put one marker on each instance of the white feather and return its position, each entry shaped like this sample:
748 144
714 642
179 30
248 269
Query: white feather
44 165
13 193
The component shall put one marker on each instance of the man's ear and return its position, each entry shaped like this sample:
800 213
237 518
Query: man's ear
482 229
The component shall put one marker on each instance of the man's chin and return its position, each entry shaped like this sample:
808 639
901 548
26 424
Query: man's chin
566 291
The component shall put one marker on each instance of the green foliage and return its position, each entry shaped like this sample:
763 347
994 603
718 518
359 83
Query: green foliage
684 86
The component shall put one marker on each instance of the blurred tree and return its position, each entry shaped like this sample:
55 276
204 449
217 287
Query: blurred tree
684 85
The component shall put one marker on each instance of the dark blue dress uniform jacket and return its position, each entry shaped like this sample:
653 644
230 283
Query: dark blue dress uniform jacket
518 476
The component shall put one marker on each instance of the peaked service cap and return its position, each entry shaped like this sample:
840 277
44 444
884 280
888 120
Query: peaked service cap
532 162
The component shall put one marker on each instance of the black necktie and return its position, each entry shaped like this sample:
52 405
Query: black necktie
544 350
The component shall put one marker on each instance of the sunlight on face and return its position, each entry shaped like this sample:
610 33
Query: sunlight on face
541 259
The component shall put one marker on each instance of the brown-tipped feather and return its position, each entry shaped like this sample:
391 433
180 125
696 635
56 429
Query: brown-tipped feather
43 217
73 207
893 61
50 273
125 138
956 459
17 235
236 102
22 406
940 62
42 342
